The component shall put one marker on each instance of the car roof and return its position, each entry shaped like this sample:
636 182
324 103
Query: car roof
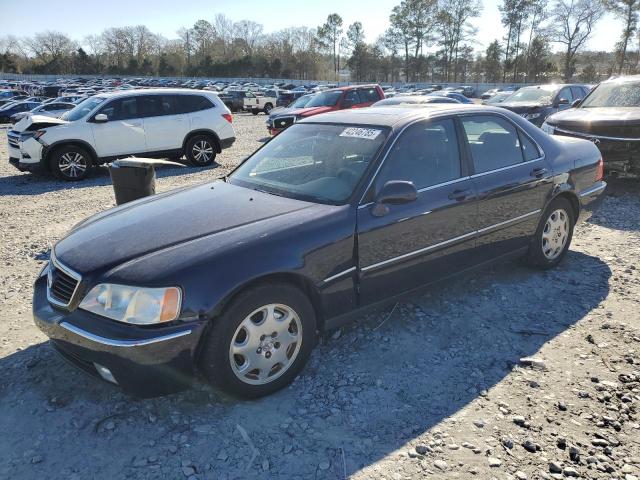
392 115
147 91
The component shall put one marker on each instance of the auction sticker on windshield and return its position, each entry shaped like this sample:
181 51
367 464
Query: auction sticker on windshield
355 132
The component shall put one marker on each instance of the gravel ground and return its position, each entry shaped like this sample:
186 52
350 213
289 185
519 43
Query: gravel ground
505 373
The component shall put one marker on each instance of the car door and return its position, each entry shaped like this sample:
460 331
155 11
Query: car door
164 128
429 238
513 181
350 99
123 132
368 96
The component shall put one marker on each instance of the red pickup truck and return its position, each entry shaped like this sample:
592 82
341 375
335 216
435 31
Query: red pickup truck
354 96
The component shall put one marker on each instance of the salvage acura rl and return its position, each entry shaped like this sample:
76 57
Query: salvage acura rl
235 279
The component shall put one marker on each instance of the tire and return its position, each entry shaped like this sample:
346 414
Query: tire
204 146
70 163
243 326
255 112
267 108
553 235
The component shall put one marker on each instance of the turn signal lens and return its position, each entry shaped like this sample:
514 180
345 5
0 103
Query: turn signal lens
600 170
228 117
170 305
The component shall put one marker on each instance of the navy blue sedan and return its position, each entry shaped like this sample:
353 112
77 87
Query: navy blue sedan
12 108
235 279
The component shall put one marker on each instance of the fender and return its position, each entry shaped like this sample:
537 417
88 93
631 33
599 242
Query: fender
565 189
206 131
50 148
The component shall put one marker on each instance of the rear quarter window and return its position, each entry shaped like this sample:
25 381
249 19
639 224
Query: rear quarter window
192 103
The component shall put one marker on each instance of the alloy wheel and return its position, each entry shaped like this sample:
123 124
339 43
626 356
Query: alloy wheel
555 234
202 151
72 165
265 344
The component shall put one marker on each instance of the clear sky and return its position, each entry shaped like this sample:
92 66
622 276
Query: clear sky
81 18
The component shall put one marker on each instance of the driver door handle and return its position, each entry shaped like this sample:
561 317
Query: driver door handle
538 172
460 195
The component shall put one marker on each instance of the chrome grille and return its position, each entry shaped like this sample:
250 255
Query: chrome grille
62 283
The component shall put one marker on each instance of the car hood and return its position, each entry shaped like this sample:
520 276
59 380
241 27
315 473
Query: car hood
33 122
612 122
622 116
520 107
160 222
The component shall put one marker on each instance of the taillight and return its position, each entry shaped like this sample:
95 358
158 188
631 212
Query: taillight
600 170
228 117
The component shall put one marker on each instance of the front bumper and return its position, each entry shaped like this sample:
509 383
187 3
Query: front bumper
591 199
143 361
25 155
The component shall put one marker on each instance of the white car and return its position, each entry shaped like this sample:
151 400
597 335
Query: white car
165 123
260 103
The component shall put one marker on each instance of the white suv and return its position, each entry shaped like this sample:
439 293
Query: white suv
166 123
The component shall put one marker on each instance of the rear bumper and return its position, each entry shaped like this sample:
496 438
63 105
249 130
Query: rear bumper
591 199
143 361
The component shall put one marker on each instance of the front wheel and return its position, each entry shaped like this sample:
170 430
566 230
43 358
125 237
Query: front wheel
201 150
553 236
261 341
70 163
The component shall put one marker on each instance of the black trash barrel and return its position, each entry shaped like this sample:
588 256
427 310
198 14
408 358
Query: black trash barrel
135 178
132 182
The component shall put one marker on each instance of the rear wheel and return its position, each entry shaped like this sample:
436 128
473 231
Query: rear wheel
261 341
267 108
255 111
201 150
553 236
70 163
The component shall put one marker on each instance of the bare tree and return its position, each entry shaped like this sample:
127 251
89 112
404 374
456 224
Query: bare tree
572 25
330 35
627 11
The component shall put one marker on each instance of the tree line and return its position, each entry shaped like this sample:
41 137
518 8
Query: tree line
427 41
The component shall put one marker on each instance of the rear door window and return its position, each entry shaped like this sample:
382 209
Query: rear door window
493 142
351 98
121 109
157 105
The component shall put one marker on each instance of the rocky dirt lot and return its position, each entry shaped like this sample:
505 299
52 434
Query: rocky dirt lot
506 373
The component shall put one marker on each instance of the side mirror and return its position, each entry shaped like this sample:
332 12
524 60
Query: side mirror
394 192
576 102
101 118
563 101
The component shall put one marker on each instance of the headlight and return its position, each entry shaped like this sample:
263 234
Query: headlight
531 116
140 306
550 129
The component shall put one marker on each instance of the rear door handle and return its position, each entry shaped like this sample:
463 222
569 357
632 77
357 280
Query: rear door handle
538 172
460 195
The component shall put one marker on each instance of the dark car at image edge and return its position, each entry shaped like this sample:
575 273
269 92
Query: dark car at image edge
610 117
536 103
340 213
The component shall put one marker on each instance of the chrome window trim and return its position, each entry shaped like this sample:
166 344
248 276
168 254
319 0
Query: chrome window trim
593 189
589 136
502 169
338 275
448 242
73 274
121 343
